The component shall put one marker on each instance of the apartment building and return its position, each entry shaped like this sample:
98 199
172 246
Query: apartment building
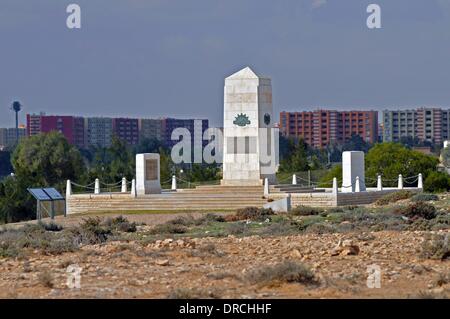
98 131
70 126
8 136
126 129
320 128
425 124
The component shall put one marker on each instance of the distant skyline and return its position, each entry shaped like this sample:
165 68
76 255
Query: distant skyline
156 58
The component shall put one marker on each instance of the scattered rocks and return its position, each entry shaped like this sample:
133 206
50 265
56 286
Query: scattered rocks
345 248
170 243
162 262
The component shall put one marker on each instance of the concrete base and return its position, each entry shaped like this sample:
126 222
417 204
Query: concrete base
241 182
280 206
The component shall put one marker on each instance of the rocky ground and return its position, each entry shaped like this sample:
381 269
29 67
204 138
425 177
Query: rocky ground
241 265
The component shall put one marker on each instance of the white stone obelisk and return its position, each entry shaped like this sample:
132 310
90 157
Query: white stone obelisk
250 138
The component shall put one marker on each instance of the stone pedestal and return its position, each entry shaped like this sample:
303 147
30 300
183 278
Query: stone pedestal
148 174
352 167
250 140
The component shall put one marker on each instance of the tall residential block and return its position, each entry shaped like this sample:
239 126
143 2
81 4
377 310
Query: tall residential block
151 129
8 136
98 131
424 124
70 126
126 129
320 128
192 125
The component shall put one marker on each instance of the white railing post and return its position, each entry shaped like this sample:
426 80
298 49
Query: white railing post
174 183
266 187
357 185
335 186
68 188
400 181
294 179
124 185
420 182
379 183
97 186
133 188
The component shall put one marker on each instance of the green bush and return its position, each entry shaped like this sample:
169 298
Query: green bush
90 232
437 182
305 211
14 242
424 197
394 197
168 228
120 223
436 246
287 271
417 210
253 213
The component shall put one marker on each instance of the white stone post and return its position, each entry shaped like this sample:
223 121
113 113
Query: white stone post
266 187
352 166
68 188
294 179
357 186
400 181
420 182
124 185
379 183
133 188
97 186
174 183
335 186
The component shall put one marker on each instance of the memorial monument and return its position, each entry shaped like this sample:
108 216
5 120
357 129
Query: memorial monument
250 139
148 174
352 167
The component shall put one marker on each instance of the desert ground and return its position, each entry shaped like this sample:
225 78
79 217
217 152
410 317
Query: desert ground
253 253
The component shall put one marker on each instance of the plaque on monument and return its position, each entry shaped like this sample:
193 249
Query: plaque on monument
151 170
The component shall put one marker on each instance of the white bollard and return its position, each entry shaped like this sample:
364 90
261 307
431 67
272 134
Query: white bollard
335 186
174 183
124 185
379 183
266 187
420 182
357 185
294 179
133 188
97 186
68 188
400 181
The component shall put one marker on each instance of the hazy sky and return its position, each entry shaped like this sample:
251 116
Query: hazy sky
152 58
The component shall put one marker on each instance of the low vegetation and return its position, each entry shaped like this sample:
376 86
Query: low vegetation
305 211
53 239
423 197
436 246
284 272
417 210
394 197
